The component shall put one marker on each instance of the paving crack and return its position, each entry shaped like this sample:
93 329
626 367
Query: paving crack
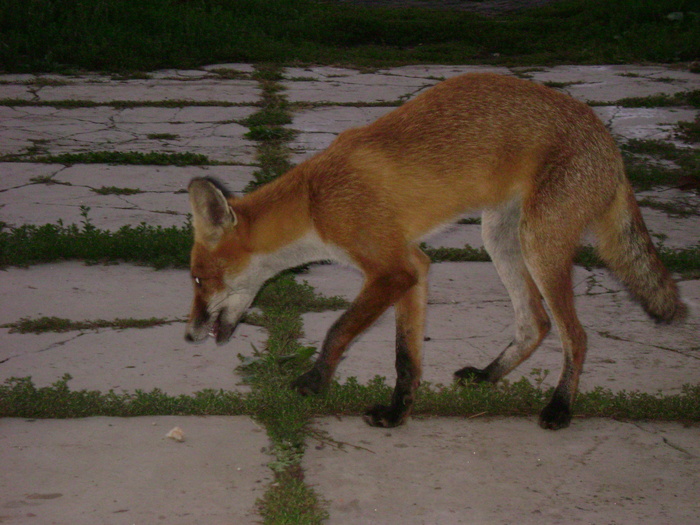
687 353
666 441
52 346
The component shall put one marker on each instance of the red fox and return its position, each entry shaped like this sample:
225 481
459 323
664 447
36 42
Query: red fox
541 166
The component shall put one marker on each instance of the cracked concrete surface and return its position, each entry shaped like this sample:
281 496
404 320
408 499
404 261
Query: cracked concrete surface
433 470
213 132
496 471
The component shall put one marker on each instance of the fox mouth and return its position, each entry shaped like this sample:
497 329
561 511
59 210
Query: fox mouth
220 329
215 327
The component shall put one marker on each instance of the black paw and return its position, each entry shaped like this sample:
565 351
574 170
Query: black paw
556 415
385 416
471 374
309 383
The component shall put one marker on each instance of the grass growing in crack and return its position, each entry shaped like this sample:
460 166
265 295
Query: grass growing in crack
42 325
113 190
19 397
162 136
119 104
466 254
290 414
682 98
689 131
125 157
144 244
290 501
268 116
645 174
267 127
270 134
161 247
273 158
672 209
284 413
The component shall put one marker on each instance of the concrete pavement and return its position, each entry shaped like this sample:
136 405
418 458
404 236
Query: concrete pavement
437 470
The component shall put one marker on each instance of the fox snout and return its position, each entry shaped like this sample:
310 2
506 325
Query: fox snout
205 325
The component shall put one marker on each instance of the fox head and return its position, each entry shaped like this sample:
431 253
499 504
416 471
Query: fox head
222 265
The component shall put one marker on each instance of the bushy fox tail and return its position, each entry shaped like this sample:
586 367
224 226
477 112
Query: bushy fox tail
625 246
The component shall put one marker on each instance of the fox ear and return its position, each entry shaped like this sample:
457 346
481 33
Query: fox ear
210 208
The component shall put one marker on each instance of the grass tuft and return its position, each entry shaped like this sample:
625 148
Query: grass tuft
131 157
42 325
113 190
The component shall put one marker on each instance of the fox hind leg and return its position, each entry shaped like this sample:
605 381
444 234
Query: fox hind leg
549 257
500 231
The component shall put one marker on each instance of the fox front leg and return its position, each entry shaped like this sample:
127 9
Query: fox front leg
410 327
376 296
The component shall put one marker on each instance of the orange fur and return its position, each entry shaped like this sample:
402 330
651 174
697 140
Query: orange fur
540 164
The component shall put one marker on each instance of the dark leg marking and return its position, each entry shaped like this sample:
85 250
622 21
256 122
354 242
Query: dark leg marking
403 396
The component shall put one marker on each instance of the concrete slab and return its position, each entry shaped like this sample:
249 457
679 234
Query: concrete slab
432 72
614 82
340 85
79 292
645 123
124 470
162 179
503 471
318 127
18 174
207 131
129 360
206 90
108 359
162 200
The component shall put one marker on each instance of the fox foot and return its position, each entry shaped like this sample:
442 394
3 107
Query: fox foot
309 383
471 374
556 415
385 416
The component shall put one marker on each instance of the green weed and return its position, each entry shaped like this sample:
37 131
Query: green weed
169 247
42 325
466 254
113 190
143 244
266 127
126 157
162 136
120 104
690 131
290 501
682 98
645 173
672 209
270 134
19 397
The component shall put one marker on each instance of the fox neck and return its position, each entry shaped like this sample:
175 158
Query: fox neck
281 233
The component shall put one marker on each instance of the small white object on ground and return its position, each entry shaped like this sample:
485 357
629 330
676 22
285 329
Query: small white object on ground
177 434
